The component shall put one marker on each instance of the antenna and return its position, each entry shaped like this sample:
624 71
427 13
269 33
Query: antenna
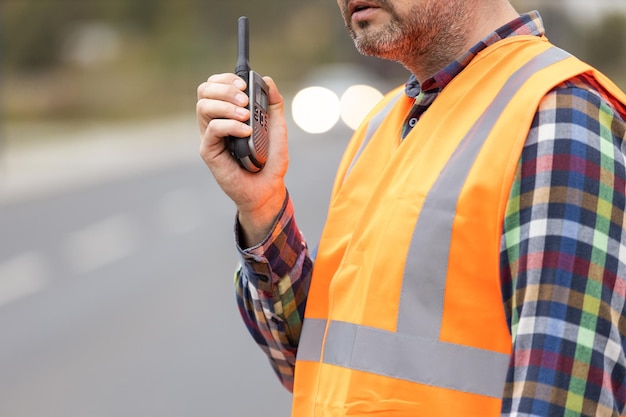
242 68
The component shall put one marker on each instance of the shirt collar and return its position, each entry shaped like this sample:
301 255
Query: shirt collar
526 24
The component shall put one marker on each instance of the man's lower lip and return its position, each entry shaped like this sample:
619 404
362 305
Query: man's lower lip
363 14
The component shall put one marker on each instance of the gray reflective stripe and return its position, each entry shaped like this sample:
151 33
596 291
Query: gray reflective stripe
310 345
414 352
415 359
421 299
372 127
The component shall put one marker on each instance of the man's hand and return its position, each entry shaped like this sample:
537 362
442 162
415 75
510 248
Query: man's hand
221 112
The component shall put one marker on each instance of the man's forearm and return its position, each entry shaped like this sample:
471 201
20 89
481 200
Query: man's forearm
272 287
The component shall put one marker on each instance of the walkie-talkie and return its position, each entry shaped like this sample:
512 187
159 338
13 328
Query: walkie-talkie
251 152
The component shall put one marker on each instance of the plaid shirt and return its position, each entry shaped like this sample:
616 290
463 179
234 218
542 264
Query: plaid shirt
563 254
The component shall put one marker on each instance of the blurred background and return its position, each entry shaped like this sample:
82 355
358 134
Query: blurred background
116 253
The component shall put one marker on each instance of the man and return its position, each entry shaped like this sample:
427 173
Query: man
473 261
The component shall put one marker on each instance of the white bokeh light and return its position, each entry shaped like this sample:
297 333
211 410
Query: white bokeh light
315 109
356 102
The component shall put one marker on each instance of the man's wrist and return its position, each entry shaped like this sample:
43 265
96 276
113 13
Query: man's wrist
256 225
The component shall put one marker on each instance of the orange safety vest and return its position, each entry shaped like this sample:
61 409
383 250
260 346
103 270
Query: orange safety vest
405 314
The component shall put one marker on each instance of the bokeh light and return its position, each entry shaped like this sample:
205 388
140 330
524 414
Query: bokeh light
315 109
356 102
318 109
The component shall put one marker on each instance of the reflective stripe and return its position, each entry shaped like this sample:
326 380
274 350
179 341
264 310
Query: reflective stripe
431 362
414 352
415 359
311 337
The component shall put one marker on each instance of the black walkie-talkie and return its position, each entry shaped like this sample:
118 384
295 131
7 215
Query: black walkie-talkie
251 152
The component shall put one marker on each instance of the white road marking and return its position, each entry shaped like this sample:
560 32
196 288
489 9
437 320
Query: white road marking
179 212
22 275
102 243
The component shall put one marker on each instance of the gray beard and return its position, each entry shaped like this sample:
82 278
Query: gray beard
379 44
415 42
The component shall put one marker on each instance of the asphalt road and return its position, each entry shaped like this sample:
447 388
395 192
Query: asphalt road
116 264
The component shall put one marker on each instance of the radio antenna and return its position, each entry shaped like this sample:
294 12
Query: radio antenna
243 48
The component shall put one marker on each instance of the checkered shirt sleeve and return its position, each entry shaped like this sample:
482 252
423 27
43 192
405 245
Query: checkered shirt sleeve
563 260
272 285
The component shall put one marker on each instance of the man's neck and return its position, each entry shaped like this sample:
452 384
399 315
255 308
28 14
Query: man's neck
484 20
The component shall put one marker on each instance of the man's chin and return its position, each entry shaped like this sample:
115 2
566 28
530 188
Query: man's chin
369 48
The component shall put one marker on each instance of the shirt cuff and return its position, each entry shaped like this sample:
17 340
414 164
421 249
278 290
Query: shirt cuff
276 255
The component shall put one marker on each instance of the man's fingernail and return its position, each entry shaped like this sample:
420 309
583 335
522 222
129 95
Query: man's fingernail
241 99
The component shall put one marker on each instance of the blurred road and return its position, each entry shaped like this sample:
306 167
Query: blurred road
116 263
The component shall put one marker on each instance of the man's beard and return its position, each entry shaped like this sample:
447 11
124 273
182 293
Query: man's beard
429 30
383 42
